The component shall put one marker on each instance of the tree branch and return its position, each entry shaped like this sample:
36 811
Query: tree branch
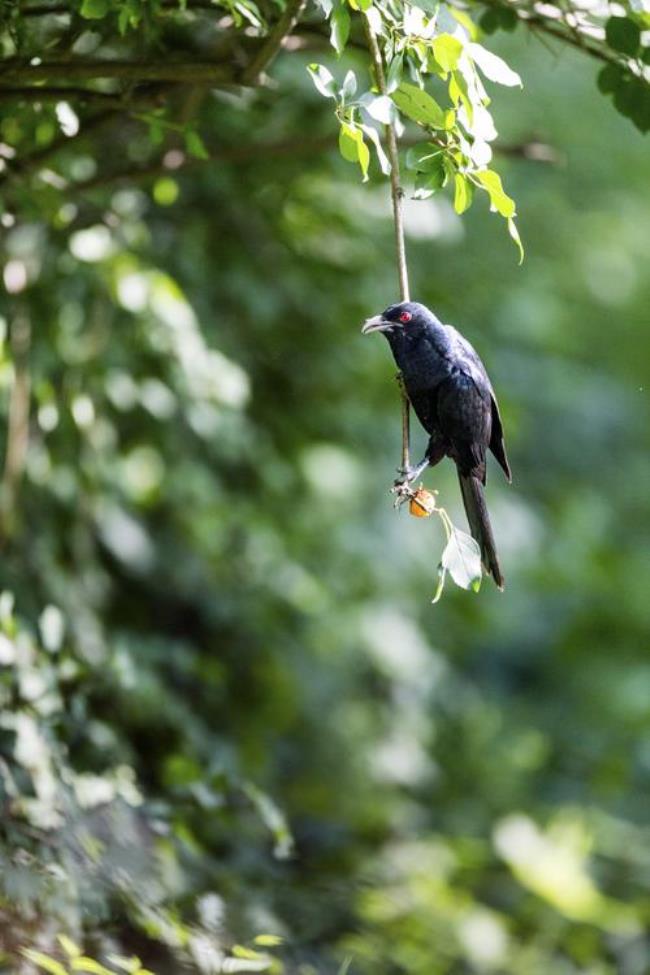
184 72
274 41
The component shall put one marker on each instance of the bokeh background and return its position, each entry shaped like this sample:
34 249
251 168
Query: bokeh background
228 705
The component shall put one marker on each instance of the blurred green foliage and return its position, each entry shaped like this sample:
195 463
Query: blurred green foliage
227 703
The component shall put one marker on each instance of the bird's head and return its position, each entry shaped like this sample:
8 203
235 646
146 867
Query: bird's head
407 318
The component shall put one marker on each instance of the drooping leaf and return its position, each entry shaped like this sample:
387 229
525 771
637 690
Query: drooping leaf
514 233
382 158
499 199
463 193
493 67
348 145
339 27
462 559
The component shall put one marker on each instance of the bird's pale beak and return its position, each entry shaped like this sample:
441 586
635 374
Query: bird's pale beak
376 324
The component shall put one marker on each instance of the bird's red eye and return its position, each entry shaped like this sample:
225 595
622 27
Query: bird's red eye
405 316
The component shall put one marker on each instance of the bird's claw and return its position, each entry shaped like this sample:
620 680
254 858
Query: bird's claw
402 490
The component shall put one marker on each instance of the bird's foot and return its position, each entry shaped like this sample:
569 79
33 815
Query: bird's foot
402 490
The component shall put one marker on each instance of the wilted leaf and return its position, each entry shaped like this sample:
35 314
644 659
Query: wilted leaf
462 559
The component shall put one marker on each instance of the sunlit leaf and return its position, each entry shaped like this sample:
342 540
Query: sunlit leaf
462 559
447 50
499 199
463 192
419 106
339 27
323 80
493 67
44 961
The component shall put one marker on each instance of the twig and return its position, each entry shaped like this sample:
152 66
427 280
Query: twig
273 43
397 195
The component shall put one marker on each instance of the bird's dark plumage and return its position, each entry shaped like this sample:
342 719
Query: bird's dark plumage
452 396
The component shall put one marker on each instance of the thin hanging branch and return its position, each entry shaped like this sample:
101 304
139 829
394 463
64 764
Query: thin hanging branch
397 195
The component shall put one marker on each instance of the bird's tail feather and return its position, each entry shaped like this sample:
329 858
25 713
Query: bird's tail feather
479 524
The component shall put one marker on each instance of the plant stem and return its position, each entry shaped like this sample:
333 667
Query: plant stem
397 194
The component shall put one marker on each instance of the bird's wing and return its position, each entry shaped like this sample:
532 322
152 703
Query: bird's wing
465 418
469 361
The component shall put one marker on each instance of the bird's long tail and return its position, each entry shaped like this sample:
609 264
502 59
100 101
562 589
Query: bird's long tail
479 524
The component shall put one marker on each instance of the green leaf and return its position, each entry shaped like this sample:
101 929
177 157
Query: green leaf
465 21
240 951
632 99
463 193
425 157
94 9
508 19
462 559
339 27
349 85
323 80
426 184
499 199
645 55
610 78
442 575
89 965
419 106
43 961
268 940
514 233
447 50
490 21
394 76
623 34
68 945
348 145
382 158
194 145
353 148
493 67
379 107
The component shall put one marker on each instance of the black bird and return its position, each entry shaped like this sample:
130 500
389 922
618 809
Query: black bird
453 398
